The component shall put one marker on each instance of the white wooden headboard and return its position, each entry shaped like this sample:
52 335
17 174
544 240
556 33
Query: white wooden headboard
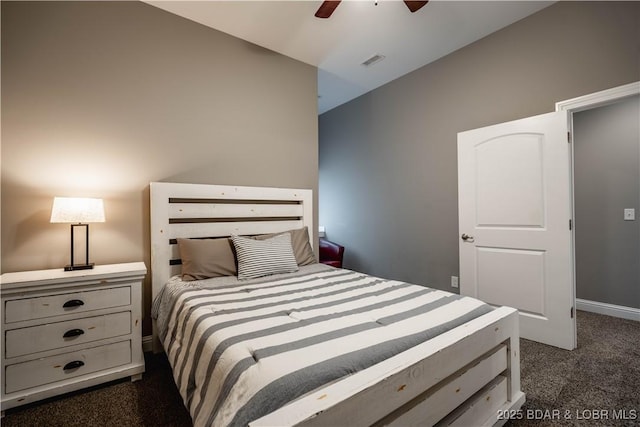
201 210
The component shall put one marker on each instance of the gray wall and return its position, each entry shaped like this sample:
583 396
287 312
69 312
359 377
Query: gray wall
100 98
388 165
607 180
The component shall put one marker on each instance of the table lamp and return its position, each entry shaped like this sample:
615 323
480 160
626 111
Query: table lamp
79 212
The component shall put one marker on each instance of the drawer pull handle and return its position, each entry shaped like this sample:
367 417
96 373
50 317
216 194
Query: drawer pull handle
73 333
73 303
73 365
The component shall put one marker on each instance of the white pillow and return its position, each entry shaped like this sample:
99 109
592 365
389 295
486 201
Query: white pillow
257 258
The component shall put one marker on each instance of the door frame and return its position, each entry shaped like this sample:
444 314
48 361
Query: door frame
574 105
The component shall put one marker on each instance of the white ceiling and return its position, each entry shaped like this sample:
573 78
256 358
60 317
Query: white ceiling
357 30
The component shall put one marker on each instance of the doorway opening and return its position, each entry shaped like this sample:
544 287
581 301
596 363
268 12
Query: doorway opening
606 200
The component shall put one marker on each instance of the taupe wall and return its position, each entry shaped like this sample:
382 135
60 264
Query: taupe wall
607 180
388 165
100 98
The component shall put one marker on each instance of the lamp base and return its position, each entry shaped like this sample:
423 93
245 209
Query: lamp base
78 267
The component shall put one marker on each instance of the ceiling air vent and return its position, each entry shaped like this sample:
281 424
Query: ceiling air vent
375 58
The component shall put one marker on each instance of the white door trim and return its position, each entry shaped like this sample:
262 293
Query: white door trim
574 105
597 99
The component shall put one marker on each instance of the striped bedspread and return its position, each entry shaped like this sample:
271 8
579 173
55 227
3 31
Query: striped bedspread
240 350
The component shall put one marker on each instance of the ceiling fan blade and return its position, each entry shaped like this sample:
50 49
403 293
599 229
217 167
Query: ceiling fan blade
327 7
414 5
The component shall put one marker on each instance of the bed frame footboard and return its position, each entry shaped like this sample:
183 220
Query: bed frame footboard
466 376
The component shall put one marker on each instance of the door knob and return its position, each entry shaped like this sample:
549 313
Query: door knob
467 238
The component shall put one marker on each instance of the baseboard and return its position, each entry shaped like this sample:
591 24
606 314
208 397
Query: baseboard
147 343
608 309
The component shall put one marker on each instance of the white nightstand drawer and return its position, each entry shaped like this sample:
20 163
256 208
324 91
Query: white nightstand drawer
54 305
23 341
52 369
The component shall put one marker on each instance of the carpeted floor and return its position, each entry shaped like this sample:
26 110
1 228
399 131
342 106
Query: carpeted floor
587 384
152 401
601 376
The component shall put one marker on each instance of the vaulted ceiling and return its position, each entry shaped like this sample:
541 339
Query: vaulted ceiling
357 31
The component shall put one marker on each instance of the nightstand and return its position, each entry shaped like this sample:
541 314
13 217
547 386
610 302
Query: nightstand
66 330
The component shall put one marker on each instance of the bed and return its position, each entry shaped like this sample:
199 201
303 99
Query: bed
249 352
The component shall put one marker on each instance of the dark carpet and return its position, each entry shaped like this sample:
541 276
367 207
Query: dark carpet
597 384
601 378
152 401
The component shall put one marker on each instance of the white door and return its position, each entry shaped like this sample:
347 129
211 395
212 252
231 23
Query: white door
514 190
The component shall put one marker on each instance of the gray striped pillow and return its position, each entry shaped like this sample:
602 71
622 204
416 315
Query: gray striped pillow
257 258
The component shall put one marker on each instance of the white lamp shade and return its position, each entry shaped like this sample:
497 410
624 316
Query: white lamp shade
77 210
